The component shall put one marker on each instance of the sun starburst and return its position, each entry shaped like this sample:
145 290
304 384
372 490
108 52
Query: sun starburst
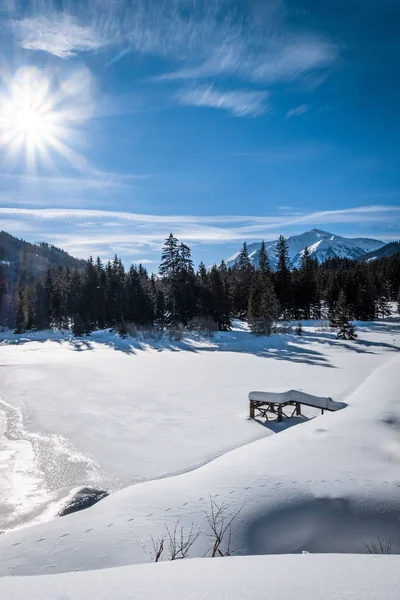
39 117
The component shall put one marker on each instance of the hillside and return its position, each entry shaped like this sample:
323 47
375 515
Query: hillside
387 250
322 245
17 256
170 427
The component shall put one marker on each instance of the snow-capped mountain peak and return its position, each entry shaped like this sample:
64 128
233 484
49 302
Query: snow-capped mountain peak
322 245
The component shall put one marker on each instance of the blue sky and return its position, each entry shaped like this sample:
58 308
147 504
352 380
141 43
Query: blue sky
219 120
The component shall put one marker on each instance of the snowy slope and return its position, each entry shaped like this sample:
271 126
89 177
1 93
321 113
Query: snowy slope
305 577
328 485
386 250
321 245
108 412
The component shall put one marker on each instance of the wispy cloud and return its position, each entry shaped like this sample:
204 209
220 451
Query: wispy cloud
205 38
59 34
84 232
238 102
298 111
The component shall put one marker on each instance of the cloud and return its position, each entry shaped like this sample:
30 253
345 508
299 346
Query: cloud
298 111
59 34
204 38
240 103
87 232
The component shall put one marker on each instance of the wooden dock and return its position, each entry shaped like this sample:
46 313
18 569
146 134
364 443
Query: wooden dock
288 404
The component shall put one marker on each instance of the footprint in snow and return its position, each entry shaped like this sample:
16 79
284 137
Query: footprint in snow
110 524
167 509
40 540
232 492
185 504
150 515
17 544
64 535
201 498
88 530
129 520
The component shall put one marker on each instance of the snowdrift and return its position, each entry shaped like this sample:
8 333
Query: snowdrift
329 485
303 577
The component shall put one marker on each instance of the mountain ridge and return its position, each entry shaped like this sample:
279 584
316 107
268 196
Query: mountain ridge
18 256
321 244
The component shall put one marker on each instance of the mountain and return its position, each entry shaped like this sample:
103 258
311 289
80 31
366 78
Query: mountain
386 250
17 256
321 245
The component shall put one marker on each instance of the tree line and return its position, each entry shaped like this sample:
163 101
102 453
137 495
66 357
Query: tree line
107 295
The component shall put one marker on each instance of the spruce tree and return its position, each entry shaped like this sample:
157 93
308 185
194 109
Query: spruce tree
340 319
306 296
263 260
242 276
169 257
262 310
20 308
383 302
283 277
220 299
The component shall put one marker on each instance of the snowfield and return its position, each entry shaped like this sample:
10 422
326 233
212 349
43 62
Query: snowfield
109 412
329 577
119 412
166 426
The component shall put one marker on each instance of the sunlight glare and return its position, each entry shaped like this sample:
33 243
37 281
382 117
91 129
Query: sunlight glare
39 119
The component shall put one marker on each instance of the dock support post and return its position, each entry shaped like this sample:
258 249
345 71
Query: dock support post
251 410
298 408
279 413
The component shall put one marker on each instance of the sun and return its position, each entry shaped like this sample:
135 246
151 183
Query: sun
39 117
29 121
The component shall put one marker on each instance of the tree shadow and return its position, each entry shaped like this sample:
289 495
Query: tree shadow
358 345
283 347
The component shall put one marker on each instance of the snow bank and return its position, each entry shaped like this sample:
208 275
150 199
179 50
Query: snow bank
108 412
303 577
330 485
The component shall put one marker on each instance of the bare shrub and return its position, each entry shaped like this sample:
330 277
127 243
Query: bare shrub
220 519
204 326
179 542
380 546
176 332
262 325
158 547
284 327
143 333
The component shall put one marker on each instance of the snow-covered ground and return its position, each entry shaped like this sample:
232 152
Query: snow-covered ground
329 577
111 412
123 411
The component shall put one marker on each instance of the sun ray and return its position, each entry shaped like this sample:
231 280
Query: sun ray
40 117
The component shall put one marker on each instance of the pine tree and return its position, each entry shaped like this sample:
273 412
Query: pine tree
262 306
169 257
243 261
263 260
340 319
283 276
383 302
220 299
20 308
306 296
242 276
